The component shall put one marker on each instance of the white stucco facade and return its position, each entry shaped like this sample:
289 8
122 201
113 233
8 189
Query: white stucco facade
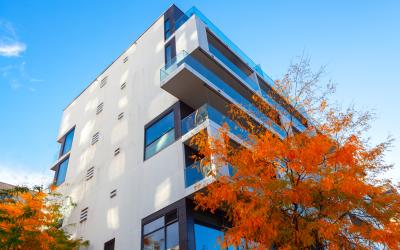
143 186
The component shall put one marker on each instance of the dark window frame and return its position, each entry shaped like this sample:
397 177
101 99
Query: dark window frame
58 170
173 14
172 45
167 30
63 139
175 108
181 210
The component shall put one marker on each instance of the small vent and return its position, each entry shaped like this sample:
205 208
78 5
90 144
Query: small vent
117 151
123 85
113 193
84 214
99 108
125 59
120 116
103 82
90 173
95 138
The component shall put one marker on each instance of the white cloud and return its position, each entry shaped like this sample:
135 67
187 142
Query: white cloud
18 77
9 42
14 49
18 175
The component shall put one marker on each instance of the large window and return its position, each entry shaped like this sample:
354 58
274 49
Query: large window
62 171
162 233
67 142
159 135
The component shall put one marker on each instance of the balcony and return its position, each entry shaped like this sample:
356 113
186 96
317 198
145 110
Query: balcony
207 115
228 60
194 173
206 112
250 64
197 79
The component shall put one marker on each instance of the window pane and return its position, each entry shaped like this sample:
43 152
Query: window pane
68 142
167 34
173 236
159 128
154 225
206 238
62 172
154 241
167 24
159 144
168 55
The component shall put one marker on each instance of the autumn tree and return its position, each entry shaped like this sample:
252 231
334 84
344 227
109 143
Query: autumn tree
317 188
31 219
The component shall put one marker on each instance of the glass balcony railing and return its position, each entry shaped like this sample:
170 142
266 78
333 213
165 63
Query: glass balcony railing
195 172
254 86
255 67
184 58
247 79
174 63
283 111
194 11
207 112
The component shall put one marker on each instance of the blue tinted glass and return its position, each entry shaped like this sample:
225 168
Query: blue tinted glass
168 55
167 24
160 143
154 241
159 128
167 28
172 236
68 142
62 172
206 238
193 174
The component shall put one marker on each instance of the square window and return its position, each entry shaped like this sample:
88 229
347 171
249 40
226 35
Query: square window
159 135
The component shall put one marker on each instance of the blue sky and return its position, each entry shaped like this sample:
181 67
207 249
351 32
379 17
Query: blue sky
51 50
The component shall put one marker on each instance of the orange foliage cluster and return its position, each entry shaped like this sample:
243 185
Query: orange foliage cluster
29 220
315 189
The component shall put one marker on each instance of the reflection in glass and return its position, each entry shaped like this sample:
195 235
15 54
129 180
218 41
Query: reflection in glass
207 238
152 226
154 241
62 172
173 236
68 142
159 135
159 128
159 144
167 28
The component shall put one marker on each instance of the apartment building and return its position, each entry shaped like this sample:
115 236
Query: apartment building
124 152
